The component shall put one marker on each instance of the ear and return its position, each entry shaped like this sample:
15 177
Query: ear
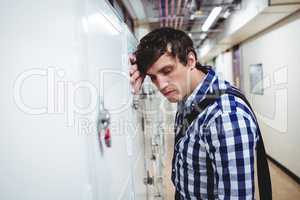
191 60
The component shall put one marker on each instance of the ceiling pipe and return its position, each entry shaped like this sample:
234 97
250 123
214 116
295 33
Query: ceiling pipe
198 4
177 13
183 13
166 12
160 13
193 22
172 13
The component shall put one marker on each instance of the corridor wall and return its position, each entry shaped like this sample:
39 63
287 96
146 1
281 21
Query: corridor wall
277 49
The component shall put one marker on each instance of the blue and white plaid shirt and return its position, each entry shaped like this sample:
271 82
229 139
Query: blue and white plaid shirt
214 159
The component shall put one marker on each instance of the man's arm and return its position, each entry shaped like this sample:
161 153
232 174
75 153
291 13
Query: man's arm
231 144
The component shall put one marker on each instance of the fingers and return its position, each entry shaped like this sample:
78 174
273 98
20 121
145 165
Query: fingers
137 85
136 81
132 69
132 59
136 78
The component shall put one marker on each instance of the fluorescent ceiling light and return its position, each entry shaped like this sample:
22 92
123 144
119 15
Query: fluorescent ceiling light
203 36
211 18
226 14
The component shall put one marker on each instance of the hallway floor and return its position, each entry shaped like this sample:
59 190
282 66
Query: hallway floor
283 186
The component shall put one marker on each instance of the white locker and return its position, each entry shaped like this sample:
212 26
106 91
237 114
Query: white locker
53 55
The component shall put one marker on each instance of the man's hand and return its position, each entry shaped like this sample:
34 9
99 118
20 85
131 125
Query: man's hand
136 78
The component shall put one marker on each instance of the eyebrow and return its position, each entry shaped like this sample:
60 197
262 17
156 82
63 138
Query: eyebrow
167 65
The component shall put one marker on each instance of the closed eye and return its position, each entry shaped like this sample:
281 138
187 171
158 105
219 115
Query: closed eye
166 70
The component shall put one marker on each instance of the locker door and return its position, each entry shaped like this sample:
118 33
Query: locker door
135 133
119 168
42 154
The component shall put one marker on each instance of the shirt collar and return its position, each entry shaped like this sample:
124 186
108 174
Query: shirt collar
200 91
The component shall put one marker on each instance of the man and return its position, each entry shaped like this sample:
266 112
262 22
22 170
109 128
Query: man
214 154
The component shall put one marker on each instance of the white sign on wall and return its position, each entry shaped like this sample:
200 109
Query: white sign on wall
256 79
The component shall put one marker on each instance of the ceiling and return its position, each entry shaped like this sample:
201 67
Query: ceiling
187 15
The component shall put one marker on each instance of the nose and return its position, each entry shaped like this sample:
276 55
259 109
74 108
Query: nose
161 83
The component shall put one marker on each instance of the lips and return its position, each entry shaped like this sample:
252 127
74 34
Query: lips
168 92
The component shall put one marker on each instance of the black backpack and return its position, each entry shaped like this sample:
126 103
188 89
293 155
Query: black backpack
264 181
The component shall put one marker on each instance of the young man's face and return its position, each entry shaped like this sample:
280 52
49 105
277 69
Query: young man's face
171 77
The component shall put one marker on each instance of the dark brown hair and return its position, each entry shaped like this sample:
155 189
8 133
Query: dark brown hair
157 42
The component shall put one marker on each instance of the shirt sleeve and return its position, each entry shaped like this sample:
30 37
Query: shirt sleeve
231 147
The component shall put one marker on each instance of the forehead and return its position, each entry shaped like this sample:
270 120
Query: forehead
164 61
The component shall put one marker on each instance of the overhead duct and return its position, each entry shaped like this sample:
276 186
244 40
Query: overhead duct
160 13
177 12
172 13
283 2
253 17
166 12
183 12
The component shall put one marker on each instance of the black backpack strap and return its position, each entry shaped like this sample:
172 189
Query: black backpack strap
199 107
263 173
